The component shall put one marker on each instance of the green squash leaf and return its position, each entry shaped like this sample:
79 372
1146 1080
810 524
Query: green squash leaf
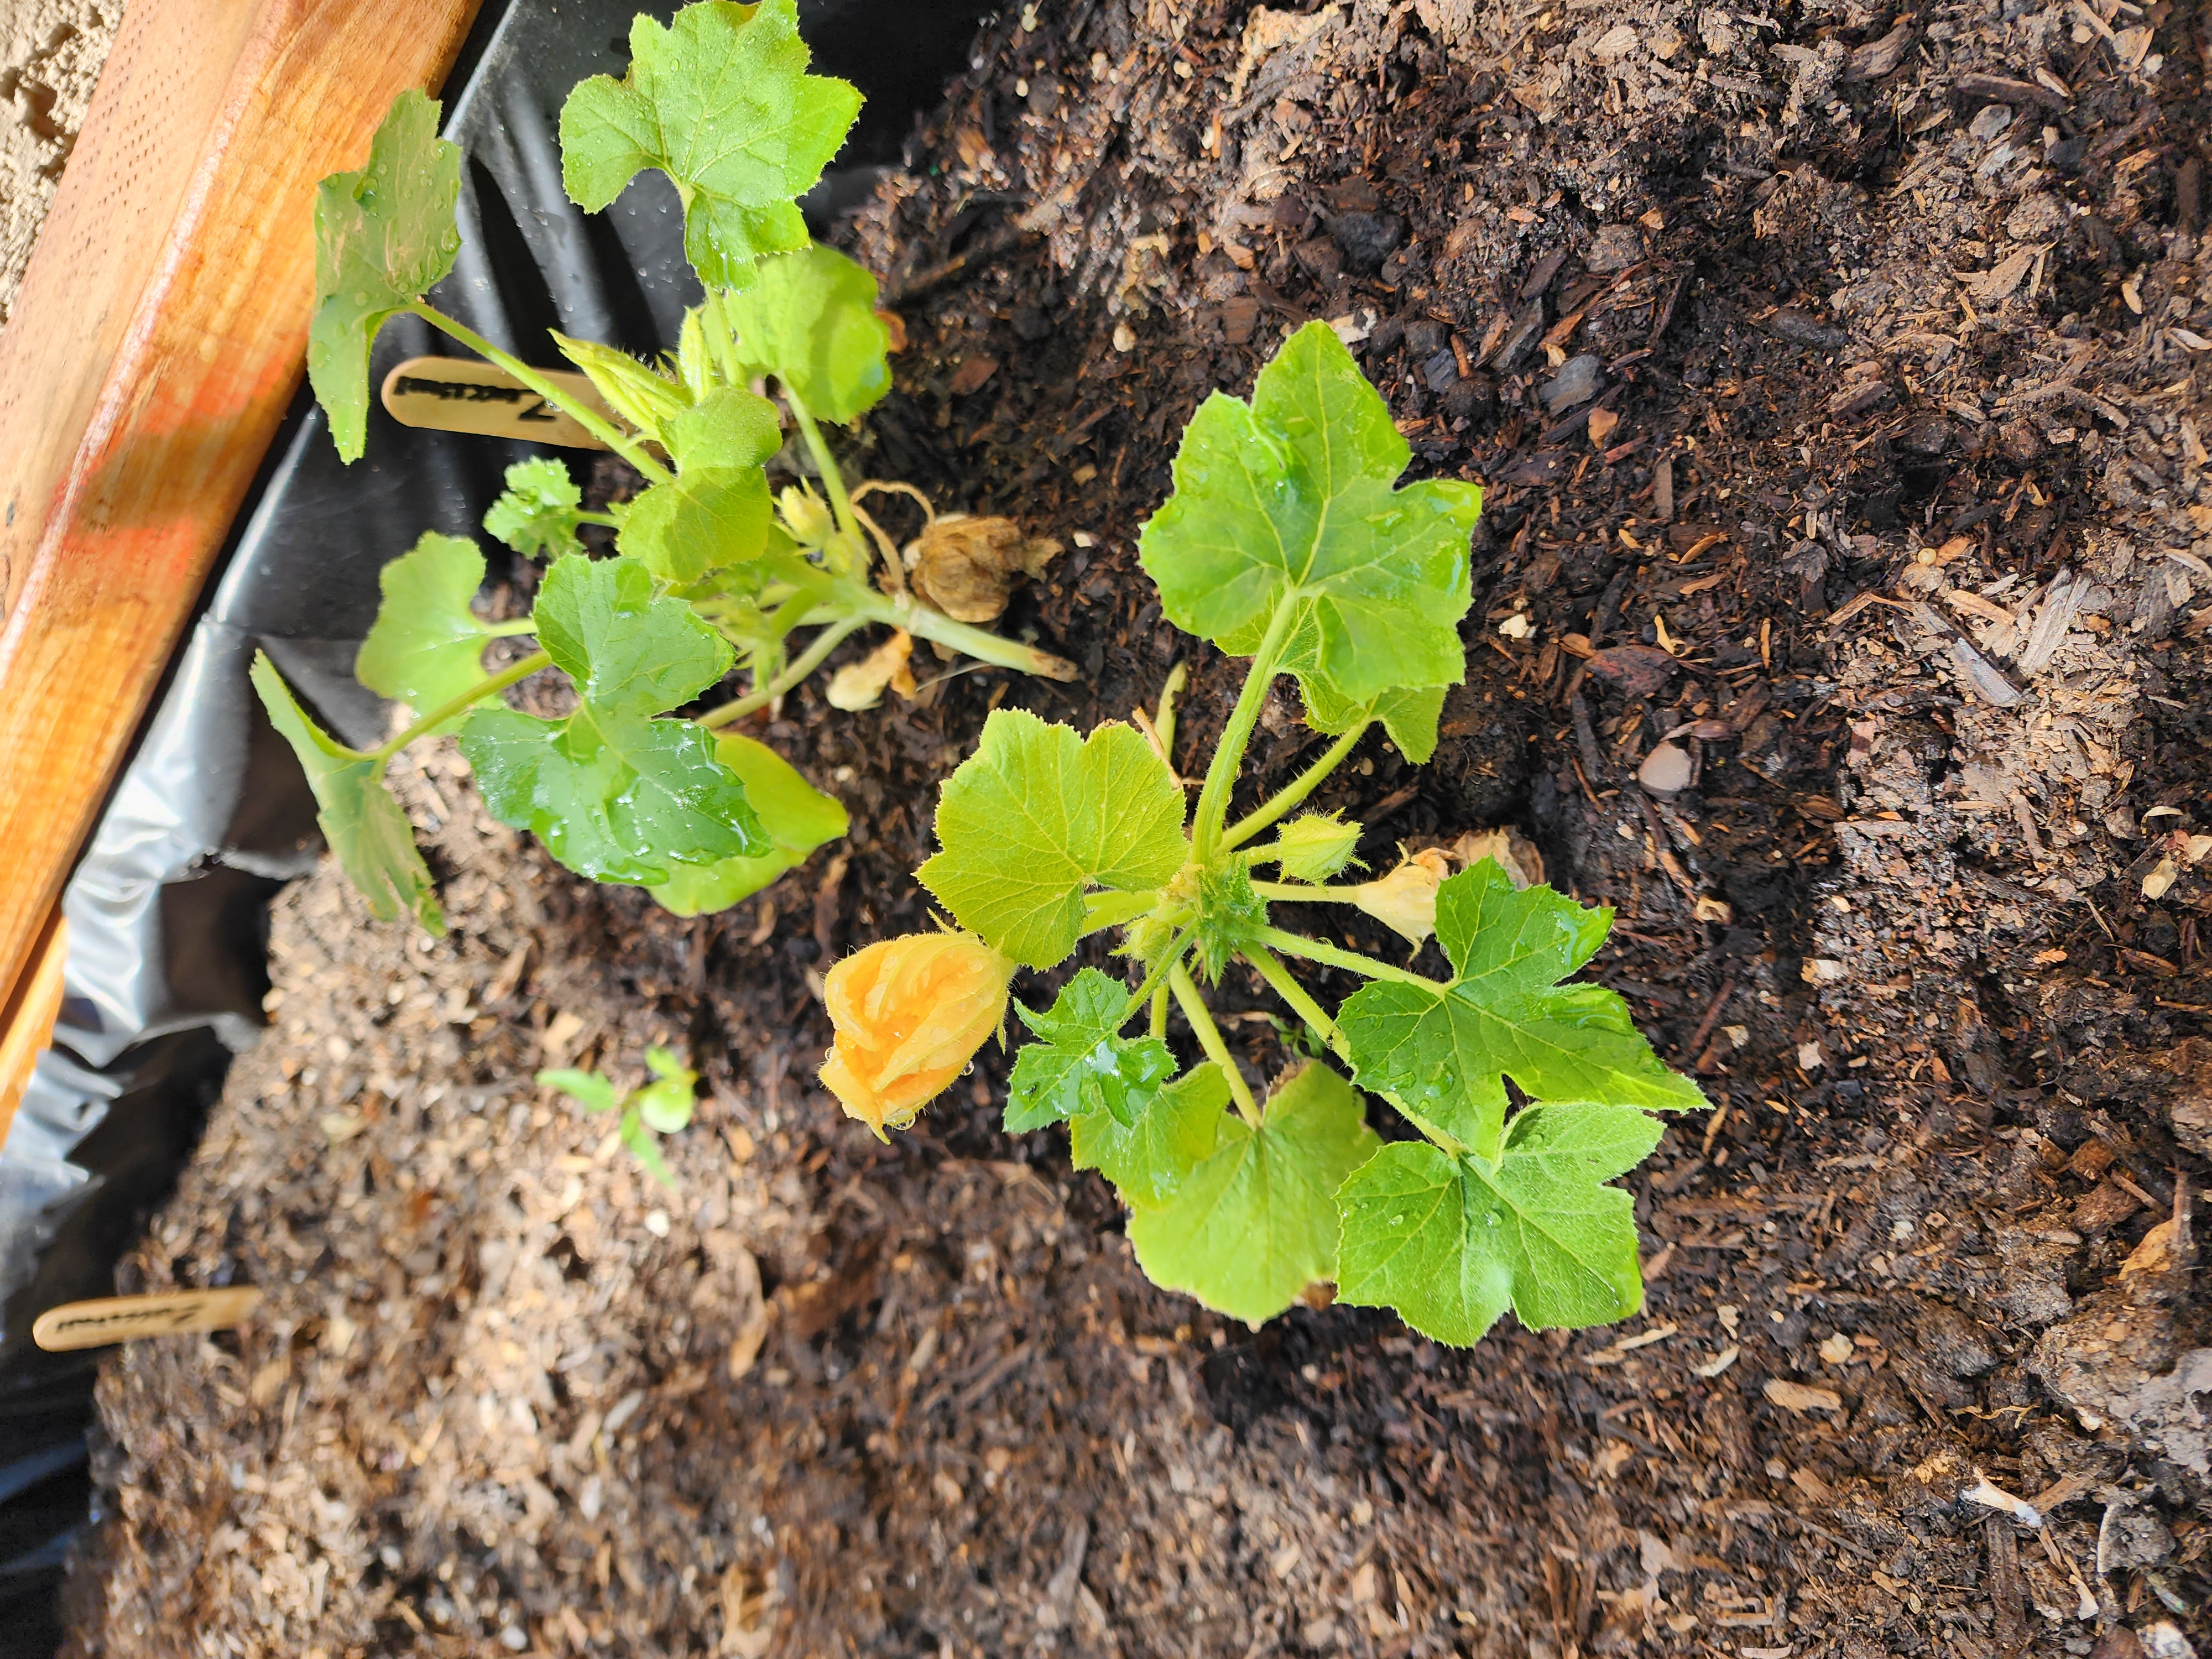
720 100
811 321
1289 496
535 513
729 427
1452 1242
383 236
1441 1056
1081 1063
1256 1221
363 825
615 796
426 646
796 817
702 520
613 793
1408 715
1174 1132
628 649
1035 815
587 1089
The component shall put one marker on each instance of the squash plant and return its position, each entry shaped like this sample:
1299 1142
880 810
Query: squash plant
711 574
1287 542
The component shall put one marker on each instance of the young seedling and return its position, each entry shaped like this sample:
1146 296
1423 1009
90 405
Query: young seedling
1286 542
711 572
662 1107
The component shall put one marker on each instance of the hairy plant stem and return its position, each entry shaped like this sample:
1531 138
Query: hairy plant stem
902 610
510 630
1297 945
445 711
1299 892
1164 722
1104 910
1158 1024
1229 757
801 665
622 443
606 518
1209 1038
1295 792
1279 977
833 484
715 323
1155 982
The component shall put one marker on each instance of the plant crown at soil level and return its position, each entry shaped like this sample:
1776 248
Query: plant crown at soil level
1289 541
710 572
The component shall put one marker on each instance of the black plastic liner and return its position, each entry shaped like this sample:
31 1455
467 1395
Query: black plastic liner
168 907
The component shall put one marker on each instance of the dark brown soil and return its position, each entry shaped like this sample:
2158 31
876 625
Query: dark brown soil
1899 335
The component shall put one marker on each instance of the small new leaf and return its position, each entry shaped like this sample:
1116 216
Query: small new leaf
645 1146
1289 497
665 1104
811 321
587 1089
1035 815
426 646
1229 913
364 826
383 236
613 793
535 513
1256 1221
1081 1064
720 101
695 366
1451 1242
796 817
729 427
1149 1159
1441 1056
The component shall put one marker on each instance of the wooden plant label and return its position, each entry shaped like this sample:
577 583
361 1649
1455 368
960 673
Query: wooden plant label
461 394
126 1318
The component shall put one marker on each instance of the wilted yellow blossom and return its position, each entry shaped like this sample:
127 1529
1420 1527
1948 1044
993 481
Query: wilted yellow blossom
909 1013
967 567
1406 899
860 684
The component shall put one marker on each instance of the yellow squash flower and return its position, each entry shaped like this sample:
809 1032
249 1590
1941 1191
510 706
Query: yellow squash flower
909 1013
1406 899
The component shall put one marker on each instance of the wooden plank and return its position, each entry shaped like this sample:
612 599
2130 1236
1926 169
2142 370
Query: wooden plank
26 1017
158 336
